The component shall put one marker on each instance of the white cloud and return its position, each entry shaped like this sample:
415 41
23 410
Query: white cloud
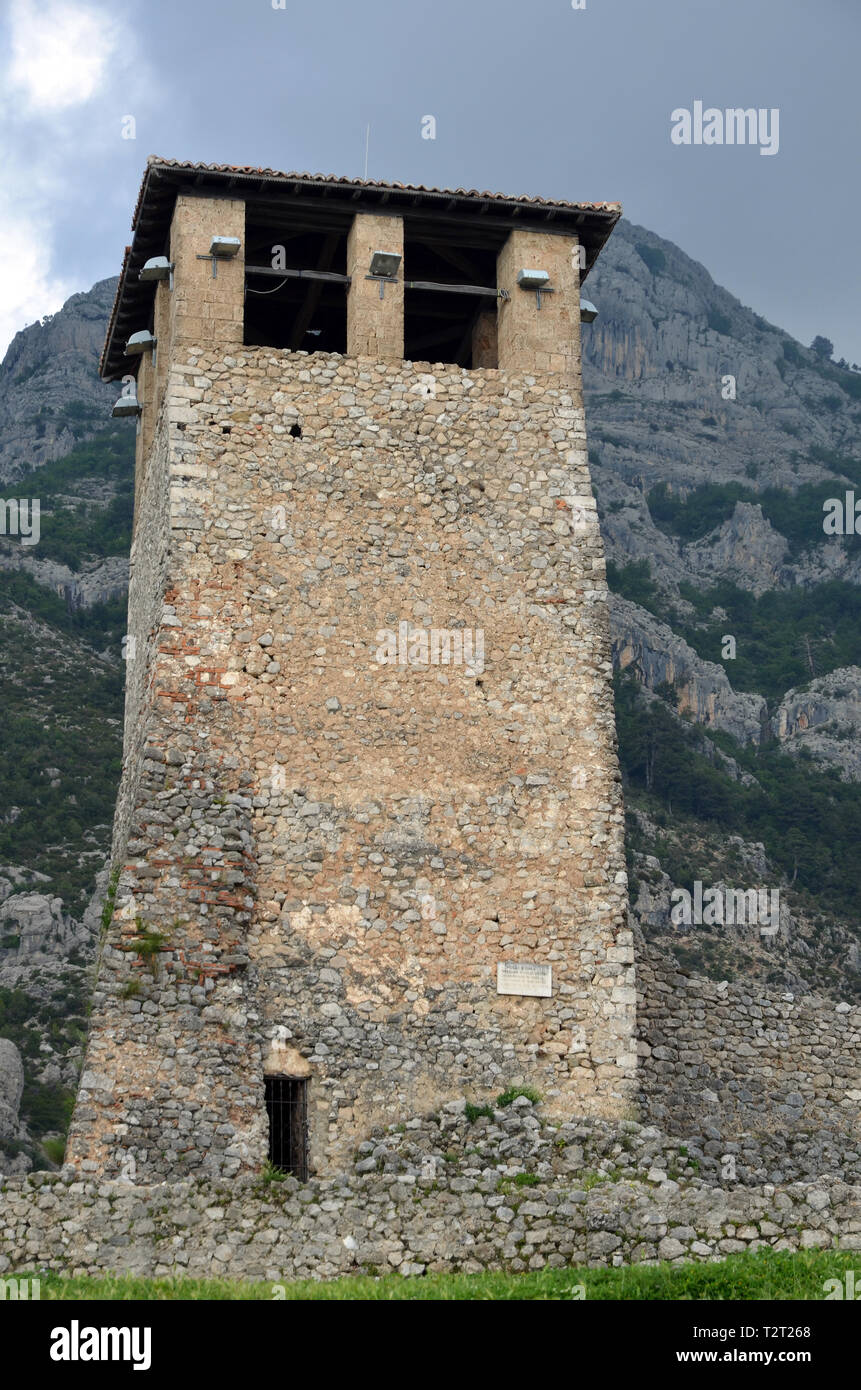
28 291
59 52
68 72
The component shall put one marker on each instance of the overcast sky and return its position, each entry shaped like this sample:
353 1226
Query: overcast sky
532 97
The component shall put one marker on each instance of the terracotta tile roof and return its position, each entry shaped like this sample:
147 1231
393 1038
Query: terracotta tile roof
156 162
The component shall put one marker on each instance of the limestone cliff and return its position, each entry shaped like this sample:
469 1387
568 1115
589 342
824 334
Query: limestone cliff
50 396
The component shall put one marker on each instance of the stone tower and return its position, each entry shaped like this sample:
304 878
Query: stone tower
369 831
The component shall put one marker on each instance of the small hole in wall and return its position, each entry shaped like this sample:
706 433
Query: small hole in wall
225 429
295 431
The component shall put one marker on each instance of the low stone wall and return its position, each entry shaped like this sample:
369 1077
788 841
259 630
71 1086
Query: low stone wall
731 1056
455 1191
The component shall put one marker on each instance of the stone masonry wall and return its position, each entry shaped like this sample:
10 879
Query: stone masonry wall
325 857
375 325
724 1055
453 1191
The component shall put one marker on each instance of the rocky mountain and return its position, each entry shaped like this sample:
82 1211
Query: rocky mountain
11 1090
701 689
50 397
825 718
715 439
62 616
657 363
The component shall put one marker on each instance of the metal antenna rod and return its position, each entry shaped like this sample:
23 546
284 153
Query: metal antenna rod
367 142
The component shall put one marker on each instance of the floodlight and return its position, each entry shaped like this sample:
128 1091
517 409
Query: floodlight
588 312
127 405
385 263
156 268
224 246
533 279
139 343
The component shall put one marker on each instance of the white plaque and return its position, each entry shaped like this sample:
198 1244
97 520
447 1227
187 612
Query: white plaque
519 977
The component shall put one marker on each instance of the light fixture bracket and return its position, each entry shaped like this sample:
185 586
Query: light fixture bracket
384 268
537 280
221 248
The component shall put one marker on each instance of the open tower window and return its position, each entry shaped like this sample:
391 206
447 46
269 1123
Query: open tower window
305 312
441 326
287 1108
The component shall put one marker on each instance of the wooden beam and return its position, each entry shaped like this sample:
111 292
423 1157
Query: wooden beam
436 286
293 222
464 220
331 276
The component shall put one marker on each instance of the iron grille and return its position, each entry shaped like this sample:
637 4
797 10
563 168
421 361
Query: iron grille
286 1106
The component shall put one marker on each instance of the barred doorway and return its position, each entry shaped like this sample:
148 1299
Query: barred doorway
287 1108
